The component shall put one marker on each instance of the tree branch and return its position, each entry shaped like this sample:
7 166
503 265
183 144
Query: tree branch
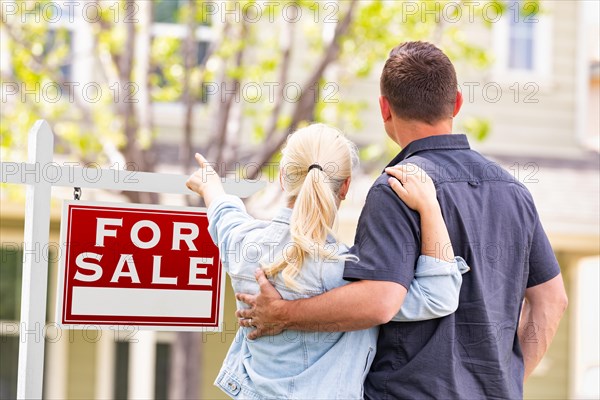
224 112
283 77
40 63
306 105
189 57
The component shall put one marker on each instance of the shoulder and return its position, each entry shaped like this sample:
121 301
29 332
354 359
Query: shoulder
381 192
384 218
382 200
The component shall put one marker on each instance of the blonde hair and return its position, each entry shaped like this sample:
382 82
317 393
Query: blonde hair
316 162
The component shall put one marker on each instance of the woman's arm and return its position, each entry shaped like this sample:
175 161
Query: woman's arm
417 190
205 181
225 212
435 289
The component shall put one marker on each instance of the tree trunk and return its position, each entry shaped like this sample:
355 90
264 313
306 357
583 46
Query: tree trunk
186 368
230 88
137 159
189 60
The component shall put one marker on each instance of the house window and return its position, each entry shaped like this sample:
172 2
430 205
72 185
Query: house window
10 283
169 12
161 371
55 39
121 370
9 348
10 308
584 360
166 11
11 267
161 380
521 44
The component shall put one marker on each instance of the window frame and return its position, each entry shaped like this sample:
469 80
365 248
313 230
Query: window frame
542 57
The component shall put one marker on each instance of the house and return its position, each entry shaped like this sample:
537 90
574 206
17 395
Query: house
541 99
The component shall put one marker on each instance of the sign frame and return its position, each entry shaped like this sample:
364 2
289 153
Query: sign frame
40 149
117 325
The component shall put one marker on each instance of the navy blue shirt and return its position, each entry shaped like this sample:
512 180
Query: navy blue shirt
493 224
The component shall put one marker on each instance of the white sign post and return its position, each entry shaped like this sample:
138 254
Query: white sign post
35 267
40 173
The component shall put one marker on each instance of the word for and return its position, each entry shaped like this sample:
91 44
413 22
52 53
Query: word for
126 268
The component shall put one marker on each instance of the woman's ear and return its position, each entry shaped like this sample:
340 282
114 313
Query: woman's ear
344 189
281 179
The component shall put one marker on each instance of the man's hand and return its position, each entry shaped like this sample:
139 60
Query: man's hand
264 313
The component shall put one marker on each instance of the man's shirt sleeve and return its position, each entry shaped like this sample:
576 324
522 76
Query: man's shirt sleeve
387 241
543 265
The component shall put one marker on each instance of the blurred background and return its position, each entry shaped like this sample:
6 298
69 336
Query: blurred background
142 85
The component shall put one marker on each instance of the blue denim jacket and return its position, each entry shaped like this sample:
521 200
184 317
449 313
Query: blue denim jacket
307 365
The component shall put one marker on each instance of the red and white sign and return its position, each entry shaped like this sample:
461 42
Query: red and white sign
155 267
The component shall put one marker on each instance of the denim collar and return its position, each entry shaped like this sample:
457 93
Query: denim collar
437 142
283 216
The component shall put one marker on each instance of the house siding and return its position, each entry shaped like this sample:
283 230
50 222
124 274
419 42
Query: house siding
550 380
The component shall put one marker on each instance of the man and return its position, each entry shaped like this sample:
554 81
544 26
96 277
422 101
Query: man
511 302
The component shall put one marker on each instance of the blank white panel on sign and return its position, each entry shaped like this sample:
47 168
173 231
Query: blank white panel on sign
141 302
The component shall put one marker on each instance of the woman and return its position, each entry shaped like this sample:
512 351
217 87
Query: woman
299 252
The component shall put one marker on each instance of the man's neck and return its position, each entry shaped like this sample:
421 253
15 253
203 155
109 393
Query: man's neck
409 131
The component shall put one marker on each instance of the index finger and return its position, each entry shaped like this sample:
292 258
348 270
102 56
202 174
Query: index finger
255 334
398 188
245 313
200 159
246 298
398 173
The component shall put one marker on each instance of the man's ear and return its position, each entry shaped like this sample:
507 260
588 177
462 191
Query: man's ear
344 189
458 104
281 179
384 106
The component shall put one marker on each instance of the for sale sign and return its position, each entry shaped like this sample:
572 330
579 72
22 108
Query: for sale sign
133 264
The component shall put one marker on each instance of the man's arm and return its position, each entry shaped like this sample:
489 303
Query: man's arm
384 270
382 276
543 308
545 300
358 305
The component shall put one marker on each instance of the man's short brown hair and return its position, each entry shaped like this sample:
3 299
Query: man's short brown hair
420 82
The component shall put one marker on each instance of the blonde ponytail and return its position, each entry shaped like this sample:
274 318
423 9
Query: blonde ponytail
316 161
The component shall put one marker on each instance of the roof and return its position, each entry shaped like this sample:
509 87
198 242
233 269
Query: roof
567 196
